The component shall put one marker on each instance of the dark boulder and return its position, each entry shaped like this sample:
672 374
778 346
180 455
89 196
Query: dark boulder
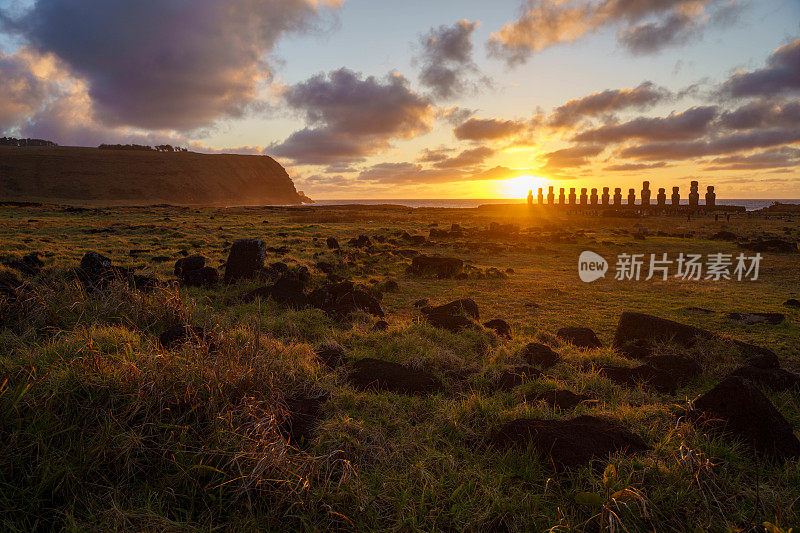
332 243
514 377
724 236
682 366
637 349
653 378
499 326
204 277
245 260
465 307
748 319
571 443
770 245
454 323
421 303
580 337
738 409
331 354
380 325
96 272
540 355
792 302
181 334
775 379
374 374
303 412
442 267
287 290
766 361
361 242
561 399
188 264
30 264
639 326
340 300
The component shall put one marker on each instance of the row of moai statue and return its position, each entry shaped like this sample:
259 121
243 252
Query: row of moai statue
606 200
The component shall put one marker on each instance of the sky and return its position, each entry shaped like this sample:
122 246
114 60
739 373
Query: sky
424 99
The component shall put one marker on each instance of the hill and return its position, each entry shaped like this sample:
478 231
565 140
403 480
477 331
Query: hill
103 177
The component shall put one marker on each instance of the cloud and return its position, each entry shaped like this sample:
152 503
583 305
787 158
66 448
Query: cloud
783 157
738 142
446 59
627 167
22 91
457 115
351 117
576 156
690 124
760 114
489 129
545 23
781 75
467 158
599 103
411 173
650 37
165 64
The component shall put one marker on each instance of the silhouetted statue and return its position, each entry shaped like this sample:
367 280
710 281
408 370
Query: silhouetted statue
711 197
584 197
561 198
676 196
694 195
661 198
551 198
618 196
530 197
605 196
572 196
631 197
646 193
593 197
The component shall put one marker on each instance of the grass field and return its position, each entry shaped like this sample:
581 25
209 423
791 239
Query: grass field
105 429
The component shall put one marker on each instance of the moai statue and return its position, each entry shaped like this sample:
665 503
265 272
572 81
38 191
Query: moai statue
530 198
646 193
540 196
584 197
676 196
572 196
661 199
631 197
605 196
618 196
561 198
694 195
593 197
550 196
711 197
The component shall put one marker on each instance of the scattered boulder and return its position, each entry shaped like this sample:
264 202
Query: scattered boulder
561 399
421 303
636 349
30 264
374 374
362 241
770 245
766 361
699 310
187 264
464 306
454 323
580 337
514 377
340 300
331 354
390 285
380 325
737 408
303 413
442 267
287 290
682 366
653 378
635 326
181 334
96 272
332 243
748 319
792 302
776 379
193 272
571 443
724 236
499 326
540 355
245 260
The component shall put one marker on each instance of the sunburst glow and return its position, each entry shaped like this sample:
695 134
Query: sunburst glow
518 187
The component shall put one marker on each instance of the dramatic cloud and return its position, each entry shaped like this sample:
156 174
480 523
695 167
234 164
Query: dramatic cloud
576 156
761 114
784 157
435 155
600 103
22 91
164 64
545 23
727 144
446 59
410 173
628 167
780 76
351 117
690 124
489 129
467 158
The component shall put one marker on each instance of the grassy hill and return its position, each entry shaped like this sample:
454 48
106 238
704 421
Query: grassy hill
108 177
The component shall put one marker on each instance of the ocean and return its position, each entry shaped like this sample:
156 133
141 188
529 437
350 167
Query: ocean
751 205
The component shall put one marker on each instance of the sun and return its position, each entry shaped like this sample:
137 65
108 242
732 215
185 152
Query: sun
518 187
